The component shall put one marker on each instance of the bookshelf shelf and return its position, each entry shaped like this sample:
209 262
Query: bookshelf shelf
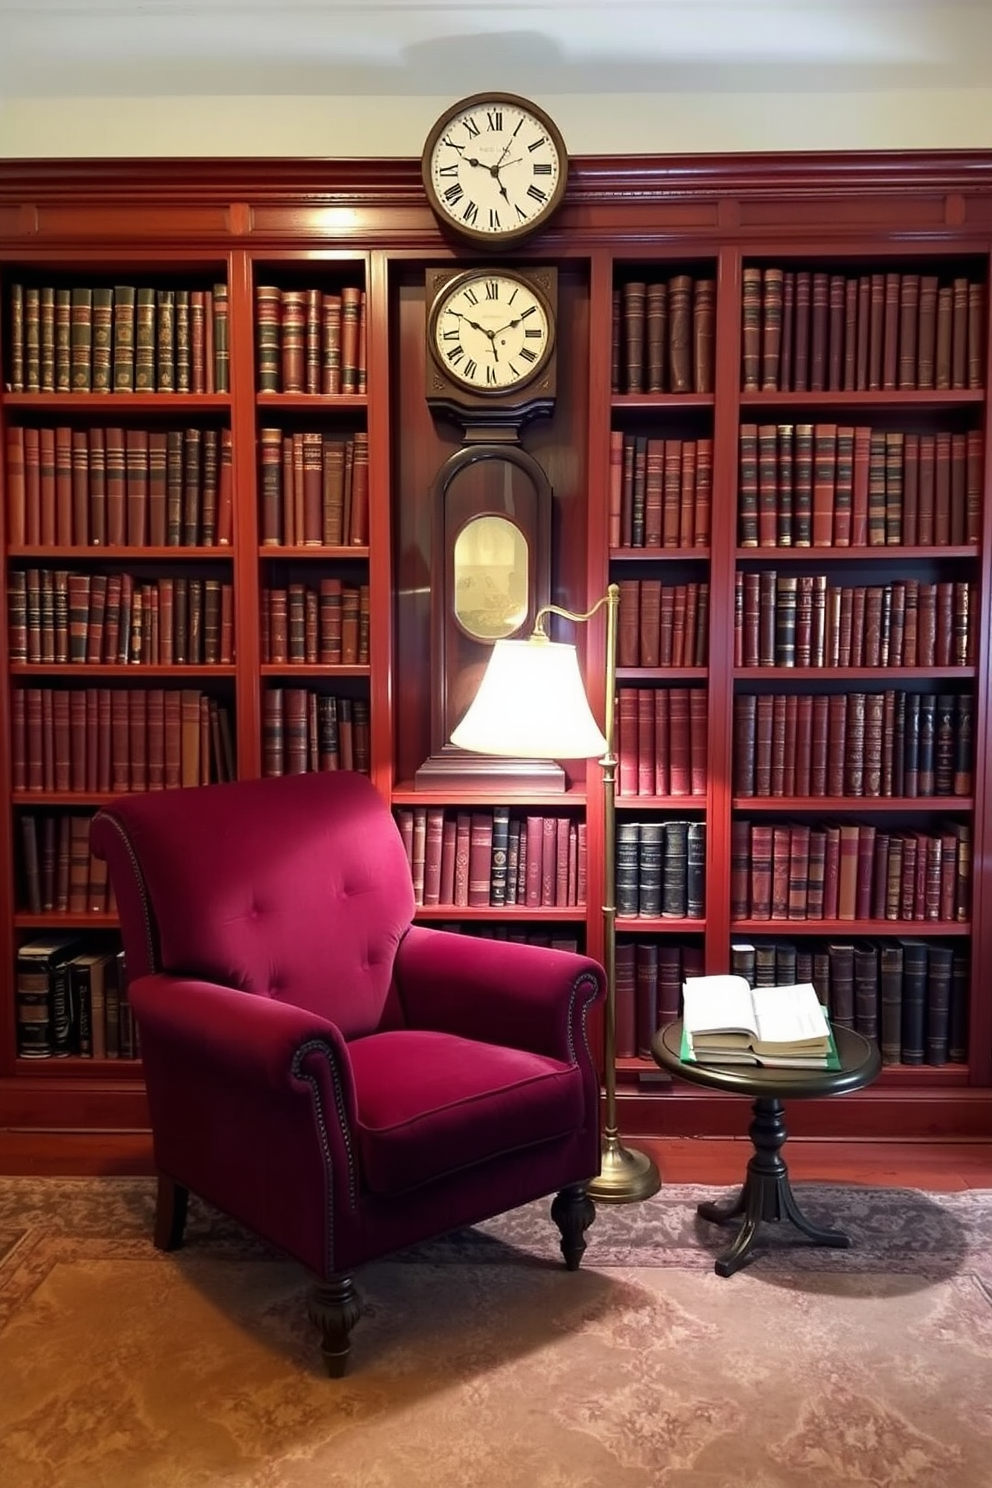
261 239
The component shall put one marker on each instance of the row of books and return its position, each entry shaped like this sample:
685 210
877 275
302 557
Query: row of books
662 741
482 859
115 487
661 491
118 739
58 873
72 1000
58 617
817 330
917 744
802 620
304 730
663 625
909 995
310 340
648 983
661 869
325 623
837 485
556 937
118 338
314 489
663 335
849 871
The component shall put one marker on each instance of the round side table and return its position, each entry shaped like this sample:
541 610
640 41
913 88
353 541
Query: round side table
767 1193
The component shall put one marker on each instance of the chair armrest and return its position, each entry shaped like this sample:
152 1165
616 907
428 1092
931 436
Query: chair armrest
502 992
238 1036
252 1106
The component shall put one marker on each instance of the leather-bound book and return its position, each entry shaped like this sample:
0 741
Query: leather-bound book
124 307
799 846
957 1041
703 335
926 336
849 367
695 881
745 757
890 330
704 494
352 301
767 485
865 957
890 976
268 315
754 336
656 337
330 343
292 341
944 337
761 872
836 291
684 535
669 981
615 340
649 517
940 962
781 854
662 741
698 740
645 996
824 483
876 331
801 346
645 740
778 745
841 960
625 1022
909 315
914 997
815 873
819 331
165 340
959 333
788 331
680 761
626 867
748 486
674 867
681 333
144 341
844 487
785 475
741 845
975 349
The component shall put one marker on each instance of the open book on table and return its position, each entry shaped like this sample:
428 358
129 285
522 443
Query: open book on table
725 1021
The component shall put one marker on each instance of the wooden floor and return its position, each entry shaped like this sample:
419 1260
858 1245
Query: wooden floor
942 1166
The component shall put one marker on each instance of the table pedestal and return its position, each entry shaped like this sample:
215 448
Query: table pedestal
766 1195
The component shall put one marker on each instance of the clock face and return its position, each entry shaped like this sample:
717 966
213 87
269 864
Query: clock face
494 168
491 331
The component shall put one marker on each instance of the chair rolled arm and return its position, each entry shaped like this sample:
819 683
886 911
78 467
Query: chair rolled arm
503 992
242 1036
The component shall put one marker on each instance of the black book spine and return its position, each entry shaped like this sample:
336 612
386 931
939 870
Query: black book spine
914 1000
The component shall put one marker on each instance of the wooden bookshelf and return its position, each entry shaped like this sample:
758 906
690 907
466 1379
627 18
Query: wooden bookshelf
301 226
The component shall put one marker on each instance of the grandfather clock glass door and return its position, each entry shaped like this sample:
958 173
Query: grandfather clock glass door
491 572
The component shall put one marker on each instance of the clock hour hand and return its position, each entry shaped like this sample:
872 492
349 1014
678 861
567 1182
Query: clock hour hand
474 324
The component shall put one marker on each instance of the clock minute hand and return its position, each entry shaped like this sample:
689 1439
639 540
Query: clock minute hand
474 324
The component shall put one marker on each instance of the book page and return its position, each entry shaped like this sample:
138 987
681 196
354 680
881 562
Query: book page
789 1015
718 1004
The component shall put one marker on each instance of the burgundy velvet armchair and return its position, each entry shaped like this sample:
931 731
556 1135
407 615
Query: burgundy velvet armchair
342 1081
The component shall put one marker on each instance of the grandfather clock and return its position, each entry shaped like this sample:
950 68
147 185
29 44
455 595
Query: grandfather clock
491 366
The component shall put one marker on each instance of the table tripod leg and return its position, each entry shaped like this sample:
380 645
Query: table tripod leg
791 1210
766 1194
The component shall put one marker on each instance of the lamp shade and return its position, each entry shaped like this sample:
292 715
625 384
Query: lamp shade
531 704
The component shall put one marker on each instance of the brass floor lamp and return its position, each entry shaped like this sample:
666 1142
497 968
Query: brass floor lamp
532 704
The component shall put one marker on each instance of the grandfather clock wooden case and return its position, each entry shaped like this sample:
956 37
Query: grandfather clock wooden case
771 427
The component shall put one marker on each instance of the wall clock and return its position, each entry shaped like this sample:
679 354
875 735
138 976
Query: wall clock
491 345
494 168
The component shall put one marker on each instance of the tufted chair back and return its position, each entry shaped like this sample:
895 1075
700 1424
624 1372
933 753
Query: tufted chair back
296 889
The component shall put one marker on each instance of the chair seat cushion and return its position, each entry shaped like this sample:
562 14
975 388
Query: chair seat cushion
431 1103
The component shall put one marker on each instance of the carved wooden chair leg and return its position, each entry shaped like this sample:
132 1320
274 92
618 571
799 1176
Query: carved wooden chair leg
573 1211
334 1308
170 1213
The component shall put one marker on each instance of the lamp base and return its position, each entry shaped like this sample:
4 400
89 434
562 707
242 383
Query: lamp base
625 1176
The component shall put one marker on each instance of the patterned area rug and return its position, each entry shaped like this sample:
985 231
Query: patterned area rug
482 1363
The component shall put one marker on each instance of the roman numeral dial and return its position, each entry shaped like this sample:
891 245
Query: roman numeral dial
491 331
494 168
